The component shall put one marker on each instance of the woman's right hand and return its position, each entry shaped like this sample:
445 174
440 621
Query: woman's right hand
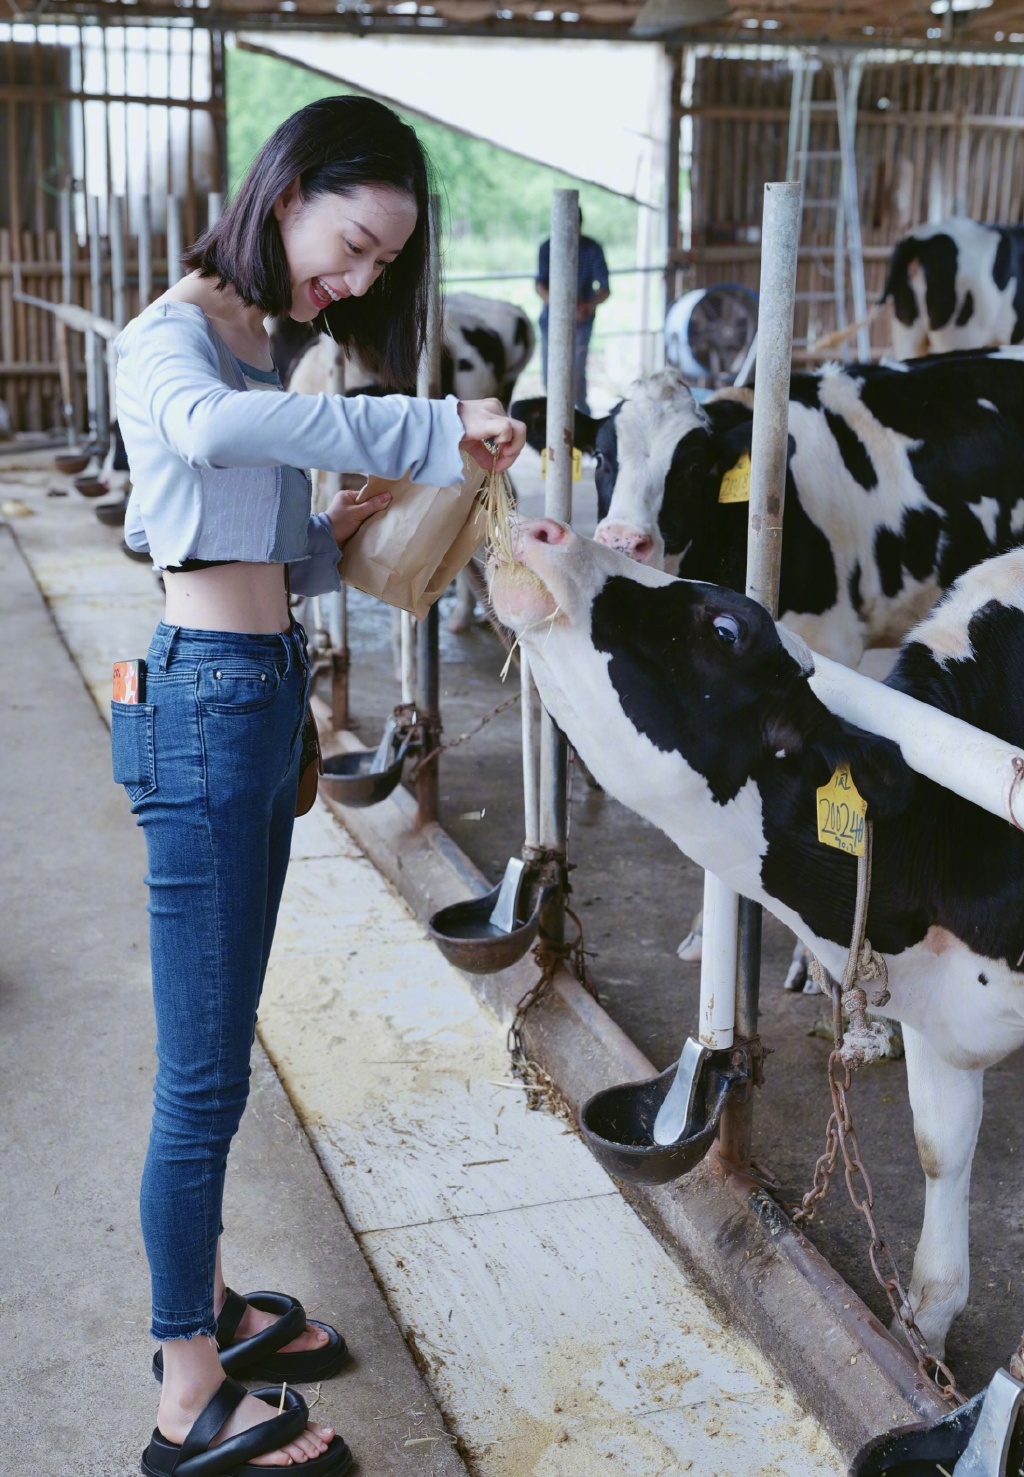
487 420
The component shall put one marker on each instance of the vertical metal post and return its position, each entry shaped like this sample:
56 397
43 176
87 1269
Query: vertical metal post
768 457
214 208
531 799
115 229
145 253
337 607
428 384
175 241
563 289
67 391
673 125
95 347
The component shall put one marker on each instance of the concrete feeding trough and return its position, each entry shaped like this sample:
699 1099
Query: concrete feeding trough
491 932
980 1439
367 776
652 1132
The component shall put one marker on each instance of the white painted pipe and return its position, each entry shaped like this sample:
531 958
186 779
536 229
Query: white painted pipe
214 207
718 964
408 658
175 240
115 230
563 288
531 797
145 253
973 764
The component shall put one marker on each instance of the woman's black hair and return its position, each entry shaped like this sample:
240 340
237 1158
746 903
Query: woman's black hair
331 147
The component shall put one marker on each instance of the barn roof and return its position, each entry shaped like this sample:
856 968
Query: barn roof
868 23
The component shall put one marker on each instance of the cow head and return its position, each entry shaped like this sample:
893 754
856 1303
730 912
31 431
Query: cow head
678 694
655 466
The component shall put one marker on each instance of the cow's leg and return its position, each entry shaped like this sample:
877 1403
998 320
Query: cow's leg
464 609
947 1104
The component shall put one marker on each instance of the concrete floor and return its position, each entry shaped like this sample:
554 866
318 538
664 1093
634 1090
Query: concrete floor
636 895
473 1227
76 1068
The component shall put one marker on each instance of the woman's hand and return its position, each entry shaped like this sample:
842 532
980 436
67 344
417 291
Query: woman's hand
347 515
487 420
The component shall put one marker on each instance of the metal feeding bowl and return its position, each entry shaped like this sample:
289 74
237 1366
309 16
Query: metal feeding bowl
618 1124
980 1439
70 462
489 933
91 486
112 514
367 776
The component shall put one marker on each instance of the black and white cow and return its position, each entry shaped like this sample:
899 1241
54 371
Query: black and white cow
693 708
900 477
486 345
956 285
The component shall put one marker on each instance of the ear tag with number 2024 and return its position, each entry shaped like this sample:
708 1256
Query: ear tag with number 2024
842 812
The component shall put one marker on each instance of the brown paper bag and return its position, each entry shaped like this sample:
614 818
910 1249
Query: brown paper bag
409 554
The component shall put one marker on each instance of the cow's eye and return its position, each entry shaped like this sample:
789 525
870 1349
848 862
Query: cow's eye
728 629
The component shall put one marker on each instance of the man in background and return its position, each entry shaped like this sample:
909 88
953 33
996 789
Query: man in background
591 291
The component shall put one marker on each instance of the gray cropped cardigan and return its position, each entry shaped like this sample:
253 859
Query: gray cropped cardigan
213 465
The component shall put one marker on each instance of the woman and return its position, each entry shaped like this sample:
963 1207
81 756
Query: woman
330 227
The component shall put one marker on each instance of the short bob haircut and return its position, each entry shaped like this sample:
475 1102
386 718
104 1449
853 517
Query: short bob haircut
332 147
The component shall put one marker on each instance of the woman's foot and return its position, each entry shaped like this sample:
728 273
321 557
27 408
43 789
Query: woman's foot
193 1375
254 1321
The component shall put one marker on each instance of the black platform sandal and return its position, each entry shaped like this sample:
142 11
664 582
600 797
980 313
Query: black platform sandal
195 1457
257 1358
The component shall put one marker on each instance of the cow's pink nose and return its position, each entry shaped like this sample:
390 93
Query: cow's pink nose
639 546
542 531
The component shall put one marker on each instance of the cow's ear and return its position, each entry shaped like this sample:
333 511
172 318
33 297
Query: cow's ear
534 415
802 727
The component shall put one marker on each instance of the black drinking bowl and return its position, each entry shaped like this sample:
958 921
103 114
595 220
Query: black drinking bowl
350 779
69 462
112 514
91 486
618 1124
469 940
919 1451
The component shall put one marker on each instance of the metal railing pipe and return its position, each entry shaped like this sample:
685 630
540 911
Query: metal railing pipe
145 238
175 240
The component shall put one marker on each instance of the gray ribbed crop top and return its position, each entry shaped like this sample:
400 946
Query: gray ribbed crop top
215 467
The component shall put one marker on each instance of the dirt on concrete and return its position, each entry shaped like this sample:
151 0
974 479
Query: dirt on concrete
637 896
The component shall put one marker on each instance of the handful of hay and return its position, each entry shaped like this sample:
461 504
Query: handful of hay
409 555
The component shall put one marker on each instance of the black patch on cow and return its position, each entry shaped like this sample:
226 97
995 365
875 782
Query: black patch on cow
289 342
919 541
853 588
1009 263
465 365
855 455
804 390
966 312
489 346
897 287
938 257
522 333
890 564
604 444
962 453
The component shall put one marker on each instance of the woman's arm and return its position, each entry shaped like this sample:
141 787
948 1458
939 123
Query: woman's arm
169 365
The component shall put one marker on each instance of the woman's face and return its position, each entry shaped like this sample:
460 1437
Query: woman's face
338 245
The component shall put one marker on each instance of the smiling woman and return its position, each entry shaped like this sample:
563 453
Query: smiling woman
329 227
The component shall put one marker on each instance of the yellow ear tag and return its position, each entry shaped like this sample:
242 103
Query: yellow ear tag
842 812
735 486
577 464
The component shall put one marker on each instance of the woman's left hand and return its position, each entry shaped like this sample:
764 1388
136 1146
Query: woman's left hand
347 515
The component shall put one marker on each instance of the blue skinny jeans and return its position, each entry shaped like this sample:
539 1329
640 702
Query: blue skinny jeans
210 762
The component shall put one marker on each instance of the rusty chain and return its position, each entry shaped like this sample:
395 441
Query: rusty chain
463 738
841 1139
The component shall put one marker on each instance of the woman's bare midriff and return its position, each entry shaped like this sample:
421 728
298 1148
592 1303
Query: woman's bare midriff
248 599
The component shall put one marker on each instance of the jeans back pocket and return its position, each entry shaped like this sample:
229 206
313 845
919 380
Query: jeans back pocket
132 748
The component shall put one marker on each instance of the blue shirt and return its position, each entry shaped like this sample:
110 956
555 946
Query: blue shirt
592 275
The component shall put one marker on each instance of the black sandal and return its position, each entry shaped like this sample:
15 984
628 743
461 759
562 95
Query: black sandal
257 1358
195 1457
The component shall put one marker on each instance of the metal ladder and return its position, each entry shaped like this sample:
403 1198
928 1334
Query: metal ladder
826 195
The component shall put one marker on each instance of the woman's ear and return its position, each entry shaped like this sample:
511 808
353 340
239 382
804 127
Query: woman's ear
287 198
